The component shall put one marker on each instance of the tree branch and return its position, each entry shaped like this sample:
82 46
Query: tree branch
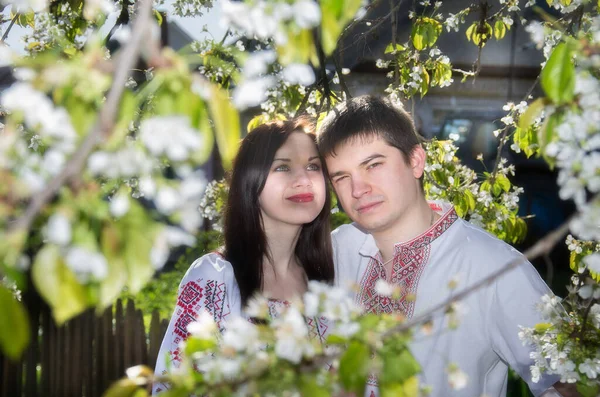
125 63
12 23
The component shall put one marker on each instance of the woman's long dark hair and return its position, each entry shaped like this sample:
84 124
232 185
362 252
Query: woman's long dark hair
245 240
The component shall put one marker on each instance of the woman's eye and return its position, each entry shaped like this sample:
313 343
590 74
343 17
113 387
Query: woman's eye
282 168
314 167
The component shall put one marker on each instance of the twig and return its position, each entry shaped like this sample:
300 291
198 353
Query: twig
379 22
342 79
126 61
12 22
540 248
302 105
321 54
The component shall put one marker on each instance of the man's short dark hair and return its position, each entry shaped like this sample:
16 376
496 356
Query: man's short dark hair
365 117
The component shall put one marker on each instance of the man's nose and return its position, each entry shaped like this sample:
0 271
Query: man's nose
360 187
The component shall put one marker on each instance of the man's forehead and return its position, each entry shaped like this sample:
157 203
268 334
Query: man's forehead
354 143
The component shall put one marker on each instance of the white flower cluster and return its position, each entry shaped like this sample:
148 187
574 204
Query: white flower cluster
171 136
554 353
191 8
23 6
263 80
246 349
577 156
455 180
212 203
266 20
335 304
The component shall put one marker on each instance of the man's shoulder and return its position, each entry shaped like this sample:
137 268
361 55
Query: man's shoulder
478 243
349 233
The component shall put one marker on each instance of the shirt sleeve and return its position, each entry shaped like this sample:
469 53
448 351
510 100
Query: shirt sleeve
209 285
515 296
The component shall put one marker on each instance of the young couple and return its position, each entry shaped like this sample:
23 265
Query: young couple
277 238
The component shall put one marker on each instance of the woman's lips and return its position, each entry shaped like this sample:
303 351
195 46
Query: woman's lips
302 198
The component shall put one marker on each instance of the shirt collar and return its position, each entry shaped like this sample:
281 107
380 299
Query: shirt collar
447 217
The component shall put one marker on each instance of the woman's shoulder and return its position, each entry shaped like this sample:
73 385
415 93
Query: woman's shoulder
213 266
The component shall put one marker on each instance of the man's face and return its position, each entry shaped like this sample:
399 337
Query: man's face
374 183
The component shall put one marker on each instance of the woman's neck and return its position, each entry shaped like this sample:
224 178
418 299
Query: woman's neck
281 243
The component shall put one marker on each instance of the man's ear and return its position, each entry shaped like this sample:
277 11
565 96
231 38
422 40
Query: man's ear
417 161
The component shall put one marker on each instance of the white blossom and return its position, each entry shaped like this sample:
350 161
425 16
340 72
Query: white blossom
25 5
119 205
383 288
92 9
171 136
307 14
593 262
299 73
86 264
457 379
204 327
252 92
58 229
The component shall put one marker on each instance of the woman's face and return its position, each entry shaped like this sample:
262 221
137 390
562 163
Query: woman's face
294 193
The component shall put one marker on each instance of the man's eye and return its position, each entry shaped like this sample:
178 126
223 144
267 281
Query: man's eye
373 165
339 179
314 167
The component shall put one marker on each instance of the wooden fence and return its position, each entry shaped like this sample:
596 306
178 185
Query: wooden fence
84 356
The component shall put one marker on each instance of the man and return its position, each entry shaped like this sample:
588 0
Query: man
376 163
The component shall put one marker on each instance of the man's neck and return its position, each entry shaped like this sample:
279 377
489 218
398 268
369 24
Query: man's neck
414 222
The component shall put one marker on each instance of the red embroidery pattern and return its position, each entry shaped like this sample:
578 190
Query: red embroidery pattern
409 261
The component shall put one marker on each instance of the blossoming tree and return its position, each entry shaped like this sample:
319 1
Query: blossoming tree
86 207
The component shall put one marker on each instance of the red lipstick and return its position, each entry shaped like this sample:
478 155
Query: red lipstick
302 198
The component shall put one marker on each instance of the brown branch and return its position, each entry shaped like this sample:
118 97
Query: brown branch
341 77
542 247
12 23
125 63
375 26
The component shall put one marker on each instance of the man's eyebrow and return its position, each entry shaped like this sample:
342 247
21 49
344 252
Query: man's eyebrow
371 157
362 164
336 174
314 158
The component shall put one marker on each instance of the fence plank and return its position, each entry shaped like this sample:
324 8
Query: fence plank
129 334
155 339
119 357
84 356
107 343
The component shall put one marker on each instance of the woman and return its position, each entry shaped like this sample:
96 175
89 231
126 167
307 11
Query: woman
276 231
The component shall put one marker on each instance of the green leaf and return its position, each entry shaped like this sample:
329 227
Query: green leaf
227 125
588 390
310 387
398 368
57 284
425 32
14 327
558 75
471 31
354 367
408 388
532 112
499 29
503 182
547 132
393 49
